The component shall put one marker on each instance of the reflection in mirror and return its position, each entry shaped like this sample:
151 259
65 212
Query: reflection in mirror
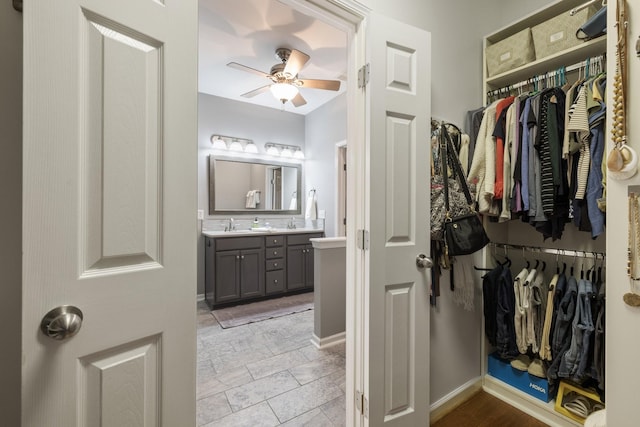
243 186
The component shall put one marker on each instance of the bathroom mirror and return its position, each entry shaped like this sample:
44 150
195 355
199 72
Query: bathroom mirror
245 186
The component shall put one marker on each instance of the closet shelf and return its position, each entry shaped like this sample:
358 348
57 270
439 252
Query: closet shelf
578 53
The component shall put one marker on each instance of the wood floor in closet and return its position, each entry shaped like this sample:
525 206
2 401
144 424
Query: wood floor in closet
485 410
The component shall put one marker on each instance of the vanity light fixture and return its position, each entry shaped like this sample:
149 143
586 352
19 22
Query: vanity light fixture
283 150
231 143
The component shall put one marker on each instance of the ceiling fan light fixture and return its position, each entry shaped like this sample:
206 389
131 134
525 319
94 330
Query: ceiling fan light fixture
283 91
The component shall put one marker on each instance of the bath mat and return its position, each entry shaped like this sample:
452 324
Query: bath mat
238 315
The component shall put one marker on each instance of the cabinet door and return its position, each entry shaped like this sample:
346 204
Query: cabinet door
251 273
227 276
209 272
295 266
308 264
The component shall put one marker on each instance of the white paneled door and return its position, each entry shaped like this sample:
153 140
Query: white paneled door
396 337
109 212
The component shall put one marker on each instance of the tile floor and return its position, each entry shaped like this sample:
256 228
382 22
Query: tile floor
267 374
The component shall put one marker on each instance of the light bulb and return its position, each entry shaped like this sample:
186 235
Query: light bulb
286 152
298 154
283 91
236 146
273 151
251 148
218 143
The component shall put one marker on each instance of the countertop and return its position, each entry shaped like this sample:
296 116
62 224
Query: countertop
261 232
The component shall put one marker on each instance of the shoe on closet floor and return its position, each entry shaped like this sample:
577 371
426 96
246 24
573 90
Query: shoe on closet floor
537 369
521 363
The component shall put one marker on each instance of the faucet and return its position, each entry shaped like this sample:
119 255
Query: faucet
292 223
231 226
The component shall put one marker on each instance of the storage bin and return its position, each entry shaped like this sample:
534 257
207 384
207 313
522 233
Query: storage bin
510 53
568 391
559 33
523 381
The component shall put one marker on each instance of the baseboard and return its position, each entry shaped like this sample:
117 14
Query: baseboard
200 297
329 341
538 409
452 400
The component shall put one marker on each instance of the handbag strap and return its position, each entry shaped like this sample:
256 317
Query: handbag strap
448 155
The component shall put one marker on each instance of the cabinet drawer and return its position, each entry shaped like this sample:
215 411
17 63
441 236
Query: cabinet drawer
275 264
301 239
274 282
232 243
274 252
271 241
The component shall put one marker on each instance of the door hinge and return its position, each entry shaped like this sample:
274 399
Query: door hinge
17 5
362 404
363 240
363 76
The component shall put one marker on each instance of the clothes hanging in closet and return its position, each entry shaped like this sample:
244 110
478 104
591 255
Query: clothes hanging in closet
539 157
558 322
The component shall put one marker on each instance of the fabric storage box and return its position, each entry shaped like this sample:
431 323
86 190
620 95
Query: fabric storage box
523 381
510 53
559 33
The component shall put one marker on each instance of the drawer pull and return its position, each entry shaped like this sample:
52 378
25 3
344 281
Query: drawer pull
275 264
275 252
275 281
275 240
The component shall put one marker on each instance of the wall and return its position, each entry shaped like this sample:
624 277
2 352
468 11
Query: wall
325 127
233 118
11 213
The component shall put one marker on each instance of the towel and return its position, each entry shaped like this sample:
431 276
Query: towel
250 199
312 206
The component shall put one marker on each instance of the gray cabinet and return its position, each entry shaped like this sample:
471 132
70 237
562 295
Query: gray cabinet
239 269
300 261
234 269
275 265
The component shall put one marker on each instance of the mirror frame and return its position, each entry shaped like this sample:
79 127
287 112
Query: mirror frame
212 191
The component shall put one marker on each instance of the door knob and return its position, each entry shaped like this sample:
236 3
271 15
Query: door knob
423 261
61 322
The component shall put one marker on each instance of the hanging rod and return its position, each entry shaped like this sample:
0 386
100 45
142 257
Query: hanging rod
582 6
550 74
552 251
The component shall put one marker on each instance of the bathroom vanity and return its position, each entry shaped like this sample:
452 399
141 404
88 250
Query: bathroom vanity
247 265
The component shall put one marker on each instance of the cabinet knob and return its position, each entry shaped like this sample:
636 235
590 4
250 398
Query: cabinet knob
237 256
275 252
275 264
275 240
242 257
275 281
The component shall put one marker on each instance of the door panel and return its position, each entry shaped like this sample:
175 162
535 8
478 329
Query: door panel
110 149
295 266
397 334
252 273
227 281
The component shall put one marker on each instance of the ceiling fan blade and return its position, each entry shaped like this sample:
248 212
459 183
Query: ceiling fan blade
295 62
298 100
255 92
247 69
321 84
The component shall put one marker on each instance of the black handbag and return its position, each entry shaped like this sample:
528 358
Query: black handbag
463 234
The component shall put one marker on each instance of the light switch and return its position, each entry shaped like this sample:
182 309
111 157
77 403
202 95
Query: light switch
200 213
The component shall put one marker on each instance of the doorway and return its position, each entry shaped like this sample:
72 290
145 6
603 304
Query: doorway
248 341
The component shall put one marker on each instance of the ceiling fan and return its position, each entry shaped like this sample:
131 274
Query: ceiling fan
284 78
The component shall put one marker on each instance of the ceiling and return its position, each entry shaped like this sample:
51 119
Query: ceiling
248 32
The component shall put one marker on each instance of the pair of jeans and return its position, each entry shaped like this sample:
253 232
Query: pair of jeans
562 327
574 360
